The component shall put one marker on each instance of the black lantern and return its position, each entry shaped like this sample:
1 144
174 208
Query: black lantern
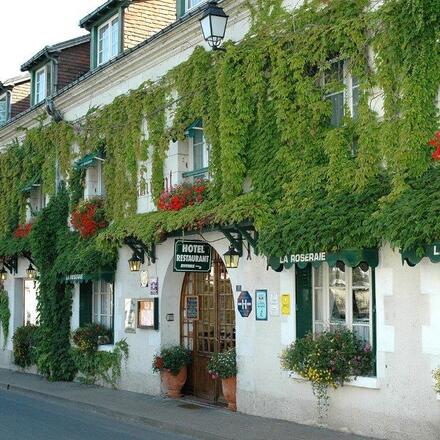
213 23
3 274
135 263
31 272
232 258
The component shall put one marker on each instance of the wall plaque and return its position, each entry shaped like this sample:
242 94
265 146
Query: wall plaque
261 305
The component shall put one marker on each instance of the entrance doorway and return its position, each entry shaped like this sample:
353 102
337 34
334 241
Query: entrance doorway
213 332
30 302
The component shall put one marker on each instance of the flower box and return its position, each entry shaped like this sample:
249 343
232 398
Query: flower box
185 194
89 217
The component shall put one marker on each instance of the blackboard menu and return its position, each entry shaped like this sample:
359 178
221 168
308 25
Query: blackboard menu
192 307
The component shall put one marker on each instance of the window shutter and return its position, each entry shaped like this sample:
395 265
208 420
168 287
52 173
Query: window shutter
180 8
85 303
304 302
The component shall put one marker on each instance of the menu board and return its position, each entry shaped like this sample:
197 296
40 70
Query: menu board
192 307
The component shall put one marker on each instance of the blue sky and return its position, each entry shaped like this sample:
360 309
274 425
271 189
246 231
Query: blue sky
29 25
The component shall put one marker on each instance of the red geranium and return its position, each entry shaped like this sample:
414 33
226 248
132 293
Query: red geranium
435 142
182 195
88 217
23 231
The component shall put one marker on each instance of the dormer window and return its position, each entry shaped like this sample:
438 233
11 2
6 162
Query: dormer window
4 109
42 87
193 3
108 40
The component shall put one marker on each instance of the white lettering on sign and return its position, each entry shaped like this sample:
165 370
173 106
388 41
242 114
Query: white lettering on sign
436 251
303 258
193 248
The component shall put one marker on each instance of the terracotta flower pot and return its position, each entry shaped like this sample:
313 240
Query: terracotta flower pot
174 384
229 387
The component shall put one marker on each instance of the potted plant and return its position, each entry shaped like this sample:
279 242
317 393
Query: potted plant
171 362
88 337
328 359
224 366
185 194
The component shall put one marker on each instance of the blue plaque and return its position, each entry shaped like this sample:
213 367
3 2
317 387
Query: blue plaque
261 305
244 304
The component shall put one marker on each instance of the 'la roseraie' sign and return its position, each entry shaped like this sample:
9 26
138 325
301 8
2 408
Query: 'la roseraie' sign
192 256
304 258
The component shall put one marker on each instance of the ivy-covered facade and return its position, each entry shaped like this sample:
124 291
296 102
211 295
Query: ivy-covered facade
307 146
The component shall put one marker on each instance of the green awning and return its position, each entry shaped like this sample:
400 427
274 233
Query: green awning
105 275
89 160
32 184
190 131
414 255
350 257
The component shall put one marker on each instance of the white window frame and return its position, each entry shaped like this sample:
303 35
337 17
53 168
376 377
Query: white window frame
39 98
5 96
325 323
190 4
205 150
100 53
347 90
98 184
97 291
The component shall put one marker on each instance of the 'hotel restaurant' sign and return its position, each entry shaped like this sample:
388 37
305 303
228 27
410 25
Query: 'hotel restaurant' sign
192 256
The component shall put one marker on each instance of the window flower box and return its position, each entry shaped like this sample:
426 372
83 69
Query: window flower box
23 231
183 195
89 217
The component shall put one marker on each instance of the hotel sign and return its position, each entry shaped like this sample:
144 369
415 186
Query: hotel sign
304 258
192 256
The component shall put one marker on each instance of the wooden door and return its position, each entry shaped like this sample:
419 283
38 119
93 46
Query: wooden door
304 301
213 332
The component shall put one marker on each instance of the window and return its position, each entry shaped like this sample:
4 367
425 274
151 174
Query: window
342 297
4 110
348 95
94 182
198 149
108 40
102 305
192 3
40 85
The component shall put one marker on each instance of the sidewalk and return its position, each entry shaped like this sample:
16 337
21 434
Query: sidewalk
180 416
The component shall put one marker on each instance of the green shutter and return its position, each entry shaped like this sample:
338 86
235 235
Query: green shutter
85 303
180 7
93 47
304 301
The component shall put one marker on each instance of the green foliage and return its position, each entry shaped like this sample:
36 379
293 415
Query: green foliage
104 366
172 359
5 315
87 338
223 365
24 344
436 377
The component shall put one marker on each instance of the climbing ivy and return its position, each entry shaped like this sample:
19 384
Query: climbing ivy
5 315
276 161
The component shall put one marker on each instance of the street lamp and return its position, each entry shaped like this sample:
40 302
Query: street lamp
3 274
213 23
135 263
31 272
232 258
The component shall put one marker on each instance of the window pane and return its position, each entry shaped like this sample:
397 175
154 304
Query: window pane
337 305
337 276
363 332
319 304
337 101
115 37
361 306
104 44
361 278
198 146
355 94
3 111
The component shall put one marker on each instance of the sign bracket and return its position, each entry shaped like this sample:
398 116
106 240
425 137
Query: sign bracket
140 249
11 263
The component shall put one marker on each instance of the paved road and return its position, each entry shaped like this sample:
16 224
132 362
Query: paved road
30 418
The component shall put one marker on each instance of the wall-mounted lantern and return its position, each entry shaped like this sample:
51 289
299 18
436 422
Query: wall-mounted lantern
3 274
232 257
31 272
135 263
213 23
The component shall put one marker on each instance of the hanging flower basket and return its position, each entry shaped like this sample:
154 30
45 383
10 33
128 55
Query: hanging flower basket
89 217
23 231
435 142
185 194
